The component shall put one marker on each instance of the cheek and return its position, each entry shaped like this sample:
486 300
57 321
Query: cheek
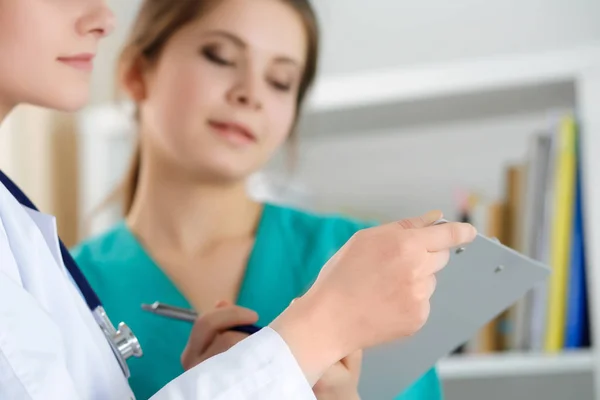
183 95
30 72
281 119
179 99
14 63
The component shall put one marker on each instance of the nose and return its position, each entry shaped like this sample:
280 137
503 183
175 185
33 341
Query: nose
97 20
245 93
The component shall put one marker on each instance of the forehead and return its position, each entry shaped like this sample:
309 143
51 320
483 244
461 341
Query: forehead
267 26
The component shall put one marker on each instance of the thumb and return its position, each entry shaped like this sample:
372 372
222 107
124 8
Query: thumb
353 363
210 324
222 303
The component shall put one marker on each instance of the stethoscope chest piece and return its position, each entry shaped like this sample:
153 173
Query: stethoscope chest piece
122 341
126 341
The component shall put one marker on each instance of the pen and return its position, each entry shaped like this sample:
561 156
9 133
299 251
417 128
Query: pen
184 314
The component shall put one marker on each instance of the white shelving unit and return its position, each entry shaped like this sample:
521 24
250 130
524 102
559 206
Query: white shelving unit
515 365
538 77
334 104
461 77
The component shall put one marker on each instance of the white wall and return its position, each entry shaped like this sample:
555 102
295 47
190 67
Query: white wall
26 141
103 83
403 172
360 35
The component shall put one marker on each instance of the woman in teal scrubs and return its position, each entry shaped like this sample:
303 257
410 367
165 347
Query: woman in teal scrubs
218 88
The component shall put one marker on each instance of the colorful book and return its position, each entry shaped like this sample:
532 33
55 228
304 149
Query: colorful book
575 327
564 193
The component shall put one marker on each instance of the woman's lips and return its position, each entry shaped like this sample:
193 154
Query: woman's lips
82 61
233 132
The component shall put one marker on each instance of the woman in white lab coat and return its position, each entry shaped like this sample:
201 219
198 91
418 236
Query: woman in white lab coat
375 289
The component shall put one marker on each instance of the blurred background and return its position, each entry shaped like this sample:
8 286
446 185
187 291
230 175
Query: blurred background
418 105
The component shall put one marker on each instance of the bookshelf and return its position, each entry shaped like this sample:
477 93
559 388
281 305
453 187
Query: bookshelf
529 81
515 364
387 99
589 103
460 77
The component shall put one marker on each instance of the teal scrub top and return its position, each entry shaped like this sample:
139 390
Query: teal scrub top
290 248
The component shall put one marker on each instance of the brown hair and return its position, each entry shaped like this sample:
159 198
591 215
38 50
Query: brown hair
159 20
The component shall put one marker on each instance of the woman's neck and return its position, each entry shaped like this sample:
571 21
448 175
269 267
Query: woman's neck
5 109
187 216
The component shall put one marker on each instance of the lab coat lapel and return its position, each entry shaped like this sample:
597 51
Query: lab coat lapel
30 252
47 226
36 341
8 266
33 242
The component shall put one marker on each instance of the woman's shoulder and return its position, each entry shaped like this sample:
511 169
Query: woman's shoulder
325 226
104 251
427 387
308 238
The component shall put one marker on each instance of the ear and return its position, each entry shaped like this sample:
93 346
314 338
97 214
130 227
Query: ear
133 79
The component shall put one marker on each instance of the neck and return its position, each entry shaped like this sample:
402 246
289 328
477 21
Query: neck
5 108
177 212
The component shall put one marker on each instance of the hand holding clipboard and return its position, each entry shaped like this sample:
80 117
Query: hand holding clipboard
481 280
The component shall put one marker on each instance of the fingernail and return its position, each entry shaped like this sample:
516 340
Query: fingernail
431 216
473 229
220 303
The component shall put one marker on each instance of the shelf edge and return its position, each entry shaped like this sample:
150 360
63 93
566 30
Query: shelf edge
514 364
468 76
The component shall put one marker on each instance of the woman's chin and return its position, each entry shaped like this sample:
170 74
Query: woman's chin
71 103
63 99
223 172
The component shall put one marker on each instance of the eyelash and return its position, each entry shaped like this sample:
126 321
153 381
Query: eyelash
210 55
213 57
282 87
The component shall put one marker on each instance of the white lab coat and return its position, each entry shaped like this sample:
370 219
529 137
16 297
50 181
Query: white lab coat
52 348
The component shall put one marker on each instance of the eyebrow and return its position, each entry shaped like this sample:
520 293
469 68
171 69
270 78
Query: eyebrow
239 42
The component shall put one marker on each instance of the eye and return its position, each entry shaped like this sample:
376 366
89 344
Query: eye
282 77
281 86
212 55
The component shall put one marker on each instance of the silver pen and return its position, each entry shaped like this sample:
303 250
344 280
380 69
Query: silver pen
179 313
185 314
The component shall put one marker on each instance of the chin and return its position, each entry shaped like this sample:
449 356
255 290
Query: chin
71 102
224 172
65 98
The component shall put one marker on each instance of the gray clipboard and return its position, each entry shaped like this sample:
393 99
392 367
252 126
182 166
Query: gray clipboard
480 281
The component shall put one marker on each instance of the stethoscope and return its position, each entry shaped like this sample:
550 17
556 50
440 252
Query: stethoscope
122 340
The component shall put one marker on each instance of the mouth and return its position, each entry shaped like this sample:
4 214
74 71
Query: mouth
233 132
83 62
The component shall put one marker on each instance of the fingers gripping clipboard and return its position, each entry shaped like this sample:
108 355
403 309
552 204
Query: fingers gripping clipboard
480 281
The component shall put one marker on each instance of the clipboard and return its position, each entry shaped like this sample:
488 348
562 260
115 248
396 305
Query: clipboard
479 282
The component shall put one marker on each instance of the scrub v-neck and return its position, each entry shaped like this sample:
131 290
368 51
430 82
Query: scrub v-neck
161 283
